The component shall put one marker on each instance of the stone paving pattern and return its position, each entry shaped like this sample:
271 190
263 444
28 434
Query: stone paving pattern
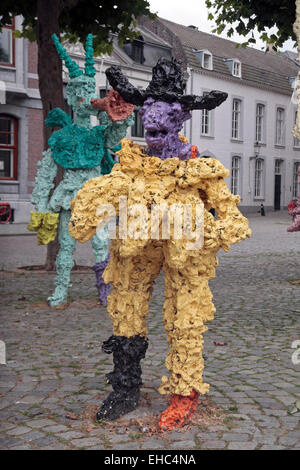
54 378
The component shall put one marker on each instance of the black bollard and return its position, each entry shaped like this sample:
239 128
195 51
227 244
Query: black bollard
262 210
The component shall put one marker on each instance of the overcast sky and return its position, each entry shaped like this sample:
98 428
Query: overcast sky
194 12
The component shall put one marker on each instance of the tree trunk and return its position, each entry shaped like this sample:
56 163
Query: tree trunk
50 83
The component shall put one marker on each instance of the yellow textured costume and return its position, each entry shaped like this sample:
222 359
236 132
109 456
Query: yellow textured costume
135 263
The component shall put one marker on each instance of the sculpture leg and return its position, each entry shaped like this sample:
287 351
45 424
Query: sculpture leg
187 306
128 306
100 245
64 261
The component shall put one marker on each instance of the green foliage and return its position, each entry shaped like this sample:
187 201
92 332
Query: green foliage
247 15
77 18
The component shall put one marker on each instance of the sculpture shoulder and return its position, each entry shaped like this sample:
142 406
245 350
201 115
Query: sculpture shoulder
207 168
77 147
58 118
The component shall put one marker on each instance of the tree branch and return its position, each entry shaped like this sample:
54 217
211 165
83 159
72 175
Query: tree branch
67 5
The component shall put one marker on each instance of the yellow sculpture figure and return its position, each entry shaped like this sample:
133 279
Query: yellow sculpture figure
137 257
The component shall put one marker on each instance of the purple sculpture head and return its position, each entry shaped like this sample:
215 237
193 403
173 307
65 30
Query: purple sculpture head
164 106
162 122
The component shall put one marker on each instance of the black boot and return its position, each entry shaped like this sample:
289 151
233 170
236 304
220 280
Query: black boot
126 376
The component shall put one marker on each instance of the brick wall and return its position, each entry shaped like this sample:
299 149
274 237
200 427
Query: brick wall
33 83
32 57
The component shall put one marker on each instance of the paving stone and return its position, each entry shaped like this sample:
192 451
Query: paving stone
55 428
21 447
153 445
18 431
190 444
206 435
85 442
45 441
7 442
239 437
127 446
70 435
33 436
242 445
30 399
4 426
213 444
271 447
40 423
288 441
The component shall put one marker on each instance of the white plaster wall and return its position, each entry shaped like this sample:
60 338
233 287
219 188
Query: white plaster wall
222 146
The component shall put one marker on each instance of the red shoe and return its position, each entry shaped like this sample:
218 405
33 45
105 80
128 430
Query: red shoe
179 410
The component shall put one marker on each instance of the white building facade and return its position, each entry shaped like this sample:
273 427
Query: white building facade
251 132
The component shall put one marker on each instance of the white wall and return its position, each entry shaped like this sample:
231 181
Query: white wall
223 147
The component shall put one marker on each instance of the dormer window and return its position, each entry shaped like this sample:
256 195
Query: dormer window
292 81
235 67
236 70
205 59
135 49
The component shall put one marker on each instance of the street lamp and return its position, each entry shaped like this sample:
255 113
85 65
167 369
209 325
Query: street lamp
257 146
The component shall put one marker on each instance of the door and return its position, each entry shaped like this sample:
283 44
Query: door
277 192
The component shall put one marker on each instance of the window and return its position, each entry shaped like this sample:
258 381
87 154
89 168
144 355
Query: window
7 46
102 92
8 147
296 141
236 69
135 49
205 120
278 166
205 124
295 191
236 119
207 61
204 58
259 128
235 175
137 130
258 182
279 126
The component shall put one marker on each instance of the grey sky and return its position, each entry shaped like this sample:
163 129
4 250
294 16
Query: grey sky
194 12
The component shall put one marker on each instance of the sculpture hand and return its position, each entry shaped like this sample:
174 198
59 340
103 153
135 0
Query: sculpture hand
45 224
113 103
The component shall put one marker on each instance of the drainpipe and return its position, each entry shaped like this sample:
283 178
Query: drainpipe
191 74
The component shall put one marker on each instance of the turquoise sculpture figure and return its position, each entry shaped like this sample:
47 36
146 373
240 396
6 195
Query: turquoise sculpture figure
83 152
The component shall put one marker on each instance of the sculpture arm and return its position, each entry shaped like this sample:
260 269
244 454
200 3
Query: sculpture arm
47 170
95 202
116 131
231 224
44 221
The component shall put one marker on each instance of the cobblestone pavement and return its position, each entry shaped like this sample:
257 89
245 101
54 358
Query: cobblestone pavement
54 377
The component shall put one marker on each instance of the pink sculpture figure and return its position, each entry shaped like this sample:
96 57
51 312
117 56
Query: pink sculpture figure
294 211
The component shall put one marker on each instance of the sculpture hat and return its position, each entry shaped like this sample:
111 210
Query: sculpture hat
167 84
74 70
